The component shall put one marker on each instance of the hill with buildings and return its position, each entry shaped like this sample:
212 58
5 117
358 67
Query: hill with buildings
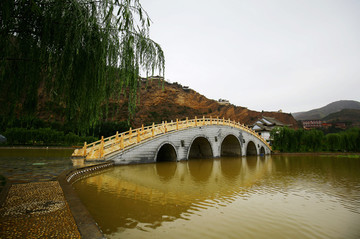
321 113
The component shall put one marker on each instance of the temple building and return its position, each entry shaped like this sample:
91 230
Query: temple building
264 126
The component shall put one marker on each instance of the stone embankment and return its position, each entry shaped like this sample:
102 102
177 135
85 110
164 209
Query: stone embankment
48 209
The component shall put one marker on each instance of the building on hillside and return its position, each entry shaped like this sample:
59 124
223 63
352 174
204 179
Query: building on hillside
264 126
223 102
186 88
311 124
144 79
340 125
326 125
156 78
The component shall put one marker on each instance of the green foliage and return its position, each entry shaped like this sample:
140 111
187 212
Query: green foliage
290 140
333 142
82 52
43 136
107 129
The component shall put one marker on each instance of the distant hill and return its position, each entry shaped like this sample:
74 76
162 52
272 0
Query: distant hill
331 108
345 115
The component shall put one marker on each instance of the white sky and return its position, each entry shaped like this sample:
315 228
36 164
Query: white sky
293 55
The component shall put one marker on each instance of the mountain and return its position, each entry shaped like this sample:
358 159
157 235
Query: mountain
172 101
320 113
345 115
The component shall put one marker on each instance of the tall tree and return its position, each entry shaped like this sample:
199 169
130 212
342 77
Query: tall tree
83 52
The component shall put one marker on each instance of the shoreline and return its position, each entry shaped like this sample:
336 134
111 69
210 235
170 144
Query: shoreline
316 153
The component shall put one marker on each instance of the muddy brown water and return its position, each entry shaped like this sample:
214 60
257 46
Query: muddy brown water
251 197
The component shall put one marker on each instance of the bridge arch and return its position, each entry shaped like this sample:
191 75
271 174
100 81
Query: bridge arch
200 147
251 148
262 151
166 153
230 146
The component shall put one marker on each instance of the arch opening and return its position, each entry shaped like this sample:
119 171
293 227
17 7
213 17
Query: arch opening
262 151
230 147
251 149
166 153
200 148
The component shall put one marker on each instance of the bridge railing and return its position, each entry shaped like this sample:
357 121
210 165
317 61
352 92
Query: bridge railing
125 140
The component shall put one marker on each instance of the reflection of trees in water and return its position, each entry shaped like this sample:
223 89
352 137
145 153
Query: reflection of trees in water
200 169
166 170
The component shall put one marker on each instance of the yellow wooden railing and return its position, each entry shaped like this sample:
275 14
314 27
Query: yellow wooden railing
125 140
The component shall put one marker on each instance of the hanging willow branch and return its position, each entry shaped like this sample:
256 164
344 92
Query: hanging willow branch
84 52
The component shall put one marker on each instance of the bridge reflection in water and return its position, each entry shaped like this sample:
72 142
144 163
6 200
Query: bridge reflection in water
167 188
226 197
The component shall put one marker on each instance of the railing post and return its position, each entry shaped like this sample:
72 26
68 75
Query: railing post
165 126
210 120
187 121
138 136
223 121
102 147
203 119
229 122
130 133
177 124
195 121
217 120
122 141
117 137
152 130
142 129
84 149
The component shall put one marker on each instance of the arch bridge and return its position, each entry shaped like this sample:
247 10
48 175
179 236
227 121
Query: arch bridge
176 141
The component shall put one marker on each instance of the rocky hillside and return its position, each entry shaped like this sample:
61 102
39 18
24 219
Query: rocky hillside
168 102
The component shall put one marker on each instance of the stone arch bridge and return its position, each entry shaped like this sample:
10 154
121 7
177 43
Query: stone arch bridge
175 141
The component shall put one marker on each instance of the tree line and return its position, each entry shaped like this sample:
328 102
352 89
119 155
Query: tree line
34 131
290 140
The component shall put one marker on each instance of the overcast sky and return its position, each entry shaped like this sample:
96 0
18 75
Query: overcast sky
293 55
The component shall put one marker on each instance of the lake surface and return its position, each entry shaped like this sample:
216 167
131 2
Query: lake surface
22 165
252 197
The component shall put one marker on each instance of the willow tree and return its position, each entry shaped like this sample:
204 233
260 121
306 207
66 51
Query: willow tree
83 52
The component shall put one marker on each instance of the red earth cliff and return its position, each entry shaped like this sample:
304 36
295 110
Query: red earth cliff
159 102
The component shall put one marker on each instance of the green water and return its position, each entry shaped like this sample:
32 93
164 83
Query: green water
253 197
22 165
